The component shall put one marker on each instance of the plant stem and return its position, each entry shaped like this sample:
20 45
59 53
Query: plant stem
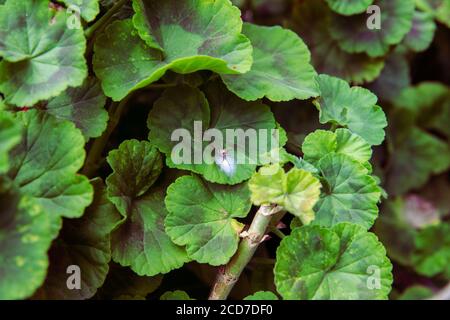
100 23
333 127
277 232
96 151
229 274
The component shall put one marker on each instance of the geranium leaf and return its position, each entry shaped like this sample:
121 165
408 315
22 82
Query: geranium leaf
124 282
327 56
354 35
25 238
321 143
429 104
192 39
88 9
349 193
140 242
421 34
262 295
414 161
333 264
84 106
175 295
439 8
416 292
297 190
281 69
301 163
45 164
353 107
202 218
83 242
10 135
180 107
350 7
433 251
391 223
421 97
42 56
393 79
136 166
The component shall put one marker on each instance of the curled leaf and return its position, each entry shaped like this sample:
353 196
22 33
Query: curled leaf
297 190
182 36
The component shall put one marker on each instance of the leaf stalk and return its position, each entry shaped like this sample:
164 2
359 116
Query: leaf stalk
229 274
95 153
103 21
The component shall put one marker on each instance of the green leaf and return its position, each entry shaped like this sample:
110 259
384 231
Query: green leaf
136 166
262 295
123 282
140 242
84 106
88 9
421 34
349 193
2 104
433 251
354 35
42 56
301 163
185 110
393 79
429 104
416 292
281 69
83 242
353 107
25 238
390 225
342 263
415 160
321 143
436 191
10 135
327 56
45 164
439 8
175 295
349 7
182 36
201 217
297 190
